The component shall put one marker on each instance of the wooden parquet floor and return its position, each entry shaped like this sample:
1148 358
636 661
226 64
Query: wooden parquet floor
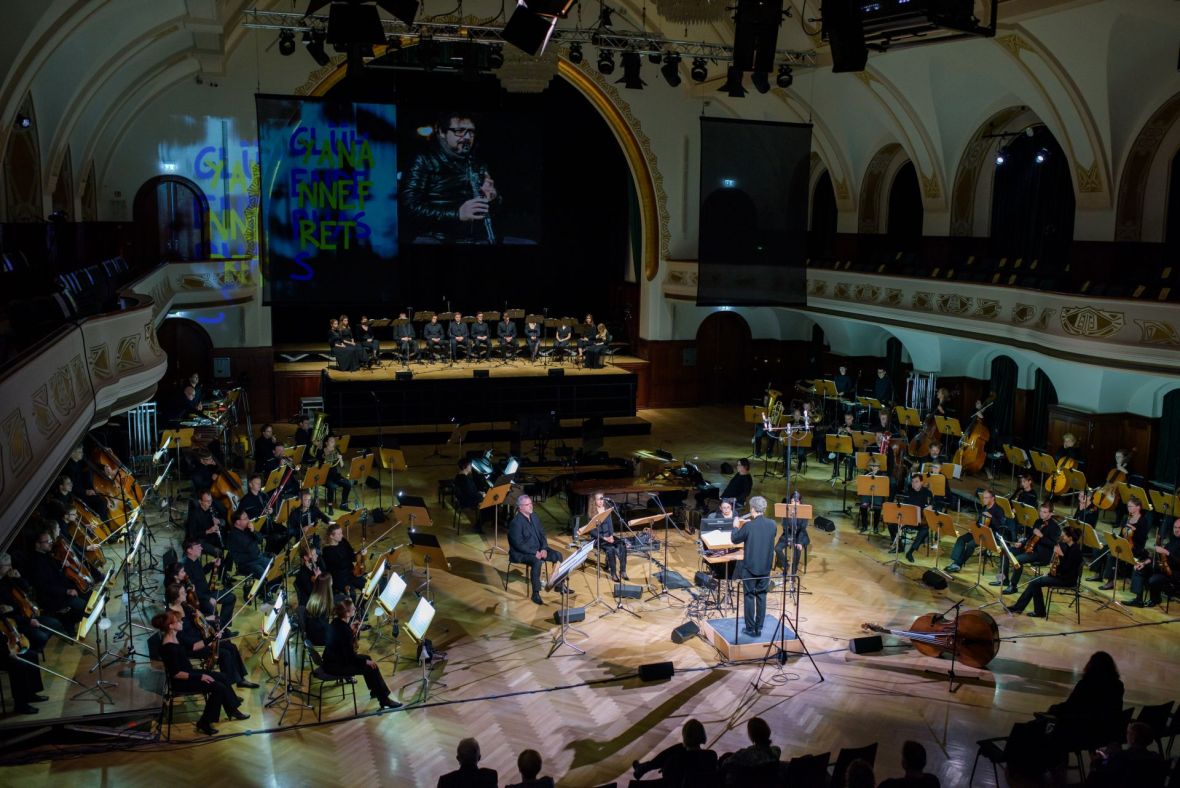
590 717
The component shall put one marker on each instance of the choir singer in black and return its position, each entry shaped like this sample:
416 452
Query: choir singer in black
757 534
506 332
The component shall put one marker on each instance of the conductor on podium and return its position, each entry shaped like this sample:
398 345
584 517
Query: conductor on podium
527 544
757 534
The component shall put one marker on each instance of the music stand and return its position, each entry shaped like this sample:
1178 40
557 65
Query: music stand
1004 504
1075 479
428 547
281 694
258 581
559 574
948 425
268 622
84 627
1042 463
875 489
347 520
753 414
985 543
494 498
342 443
937 485
295 453
1120 549
841 446
903 515
1017 458
870 402
907 417
1024 515
417 626
359 470
275 478
387 601
940 525
1163 504
413 511
590 525
316 476
176 439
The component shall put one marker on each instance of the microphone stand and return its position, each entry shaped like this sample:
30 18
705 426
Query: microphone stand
380 513
664 568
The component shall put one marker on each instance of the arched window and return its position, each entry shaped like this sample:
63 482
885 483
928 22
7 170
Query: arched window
821 239
1033 201
905 210
172 220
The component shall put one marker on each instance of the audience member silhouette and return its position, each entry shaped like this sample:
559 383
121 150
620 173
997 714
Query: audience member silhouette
684 765
529 764
913 763
755 765
469 774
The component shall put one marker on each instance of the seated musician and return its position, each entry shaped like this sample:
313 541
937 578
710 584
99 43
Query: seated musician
16 601
1046 531
506 333
341 659
481 342
184 678
918 495
801 418
220 604
349 357
329 455
254 501
942 403
278 459
720 520
302 434
311 568
459 338
1137 527
264 445
598 344
244 547
867 504
991 516
561 339
196 636
339 559
83 480
301 521
20 663
794 532
1155 575
433 333
584 338
849 460
203 470
737 489
56 594
206 522
350 340
317 614
1068 555
1086 512
527 545
366 340
612 545
468 496
407 339
532 337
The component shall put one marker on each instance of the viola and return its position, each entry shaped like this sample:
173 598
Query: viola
23 604
1033 540
977 643
17 643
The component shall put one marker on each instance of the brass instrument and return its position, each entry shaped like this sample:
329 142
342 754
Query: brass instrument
320 430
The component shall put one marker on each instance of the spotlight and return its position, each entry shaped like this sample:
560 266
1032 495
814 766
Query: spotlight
654 58
286 43
785 78
606 62
671 69
575 53
700 70
631 65
496 57
23 121
760 80
1041 156
1000 158
733 83
313 40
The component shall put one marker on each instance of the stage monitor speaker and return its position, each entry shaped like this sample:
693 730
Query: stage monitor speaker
528 31
824 524
845 33
684 632
932 579
705 580
556 372
404 374
625 591
656 671
479 373
573 615
869 645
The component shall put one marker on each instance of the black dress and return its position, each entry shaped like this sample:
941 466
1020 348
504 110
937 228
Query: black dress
341 659
221 695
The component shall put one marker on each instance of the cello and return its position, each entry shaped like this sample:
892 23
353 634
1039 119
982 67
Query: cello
977 643
113 469
972 451
1057 483
1107 496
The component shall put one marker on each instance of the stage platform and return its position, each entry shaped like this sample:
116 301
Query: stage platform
465 392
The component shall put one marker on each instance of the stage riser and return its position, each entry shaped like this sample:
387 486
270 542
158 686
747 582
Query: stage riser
479 438
476 399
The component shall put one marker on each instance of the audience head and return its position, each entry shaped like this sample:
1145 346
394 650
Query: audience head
859 775
913 757
467 753
1139 735
529 763
692 733
1101 666
758 730
743 465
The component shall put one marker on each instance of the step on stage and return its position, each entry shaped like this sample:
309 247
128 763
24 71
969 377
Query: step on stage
467 392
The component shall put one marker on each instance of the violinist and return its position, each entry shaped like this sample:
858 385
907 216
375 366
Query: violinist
1046 532
206 599
184 678
301 521
264 445
206 522
1136 527
612 544
318 611
1086 512
332 457
16 596
992 516
244 546
886 432
341 659
918 495
1067 559
255 501
311 569
196 637
1153 575
339 558
20 661
55 591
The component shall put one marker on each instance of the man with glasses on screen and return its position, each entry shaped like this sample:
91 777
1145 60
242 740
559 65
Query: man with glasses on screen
449 195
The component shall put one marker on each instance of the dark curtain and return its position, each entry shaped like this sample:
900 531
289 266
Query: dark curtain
1003 388
815 353
1044 395
821 238
893 368
1167 459
905 210
1033 202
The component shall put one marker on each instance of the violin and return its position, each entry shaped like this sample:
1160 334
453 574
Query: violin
71 567
17 643
23 604
977 643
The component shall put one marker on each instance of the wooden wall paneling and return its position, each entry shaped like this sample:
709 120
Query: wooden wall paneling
673 382
289 388
642 382
1022 417
253 368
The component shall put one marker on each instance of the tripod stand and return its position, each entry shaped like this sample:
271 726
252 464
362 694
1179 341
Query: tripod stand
780 633
664 592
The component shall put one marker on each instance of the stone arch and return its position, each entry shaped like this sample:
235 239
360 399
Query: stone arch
971 193
874 186
22 196
1140 207
62 197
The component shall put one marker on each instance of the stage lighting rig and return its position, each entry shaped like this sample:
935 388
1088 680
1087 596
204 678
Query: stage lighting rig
575 55
700 69
785 77
313 42
761 81
852 27
733 83
632 63
606 62
286 43
671 69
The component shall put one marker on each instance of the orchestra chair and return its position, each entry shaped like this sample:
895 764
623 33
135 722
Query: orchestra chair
1156 717
998 749
525 575
846 756
807 771
170 696
347 684
1074 591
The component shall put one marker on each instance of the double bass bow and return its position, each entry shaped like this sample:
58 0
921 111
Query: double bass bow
973 637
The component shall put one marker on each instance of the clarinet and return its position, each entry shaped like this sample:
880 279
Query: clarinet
477 180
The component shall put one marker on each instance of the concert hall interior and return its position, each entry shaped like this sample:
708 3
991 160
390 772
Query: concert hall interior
380 375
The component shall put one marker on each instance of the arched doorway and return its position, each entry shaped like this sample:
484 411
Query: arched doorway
822 235
171 219
1033 199
189 349
905 210
1167 459
1003 388
723 358
1044 397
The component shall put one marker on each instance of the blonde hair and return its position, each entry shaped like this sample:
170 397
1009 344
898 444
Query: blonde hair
319 604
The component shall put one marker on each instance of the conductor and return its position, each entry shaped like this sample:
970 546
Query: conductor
527 545
757 533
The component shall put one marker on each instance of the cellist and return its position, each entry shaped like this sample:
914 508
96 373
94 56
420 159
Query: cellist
15 593
196 637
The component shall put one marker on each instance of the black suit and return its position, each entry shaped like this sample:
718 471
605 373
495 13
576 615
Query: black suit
480 338
470 777
459 338
196 574
434 334
758 538
506 331
615 551
532 337
794 529
407 340
1066 577
526 538
198 523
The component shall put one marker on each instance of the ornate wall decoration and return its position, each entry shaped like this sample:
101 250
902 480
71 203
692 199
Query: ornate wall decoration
149 336
1087 321
986 308
129 353
866 293
1157 332
43 416
1137 169
1089 178
953 304
922 301
892 296
63 391
16 435
930 188
100 360
683 277
1023 313
817 287
81 383
872 188
842 290
1046 315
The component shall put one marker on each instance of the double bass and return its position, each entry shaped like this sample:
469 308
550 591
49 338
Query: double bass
977 642
114 470
972 451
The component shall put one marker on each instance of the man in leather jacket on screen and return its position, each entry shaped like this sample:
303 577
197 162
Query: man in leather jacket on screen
448 195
